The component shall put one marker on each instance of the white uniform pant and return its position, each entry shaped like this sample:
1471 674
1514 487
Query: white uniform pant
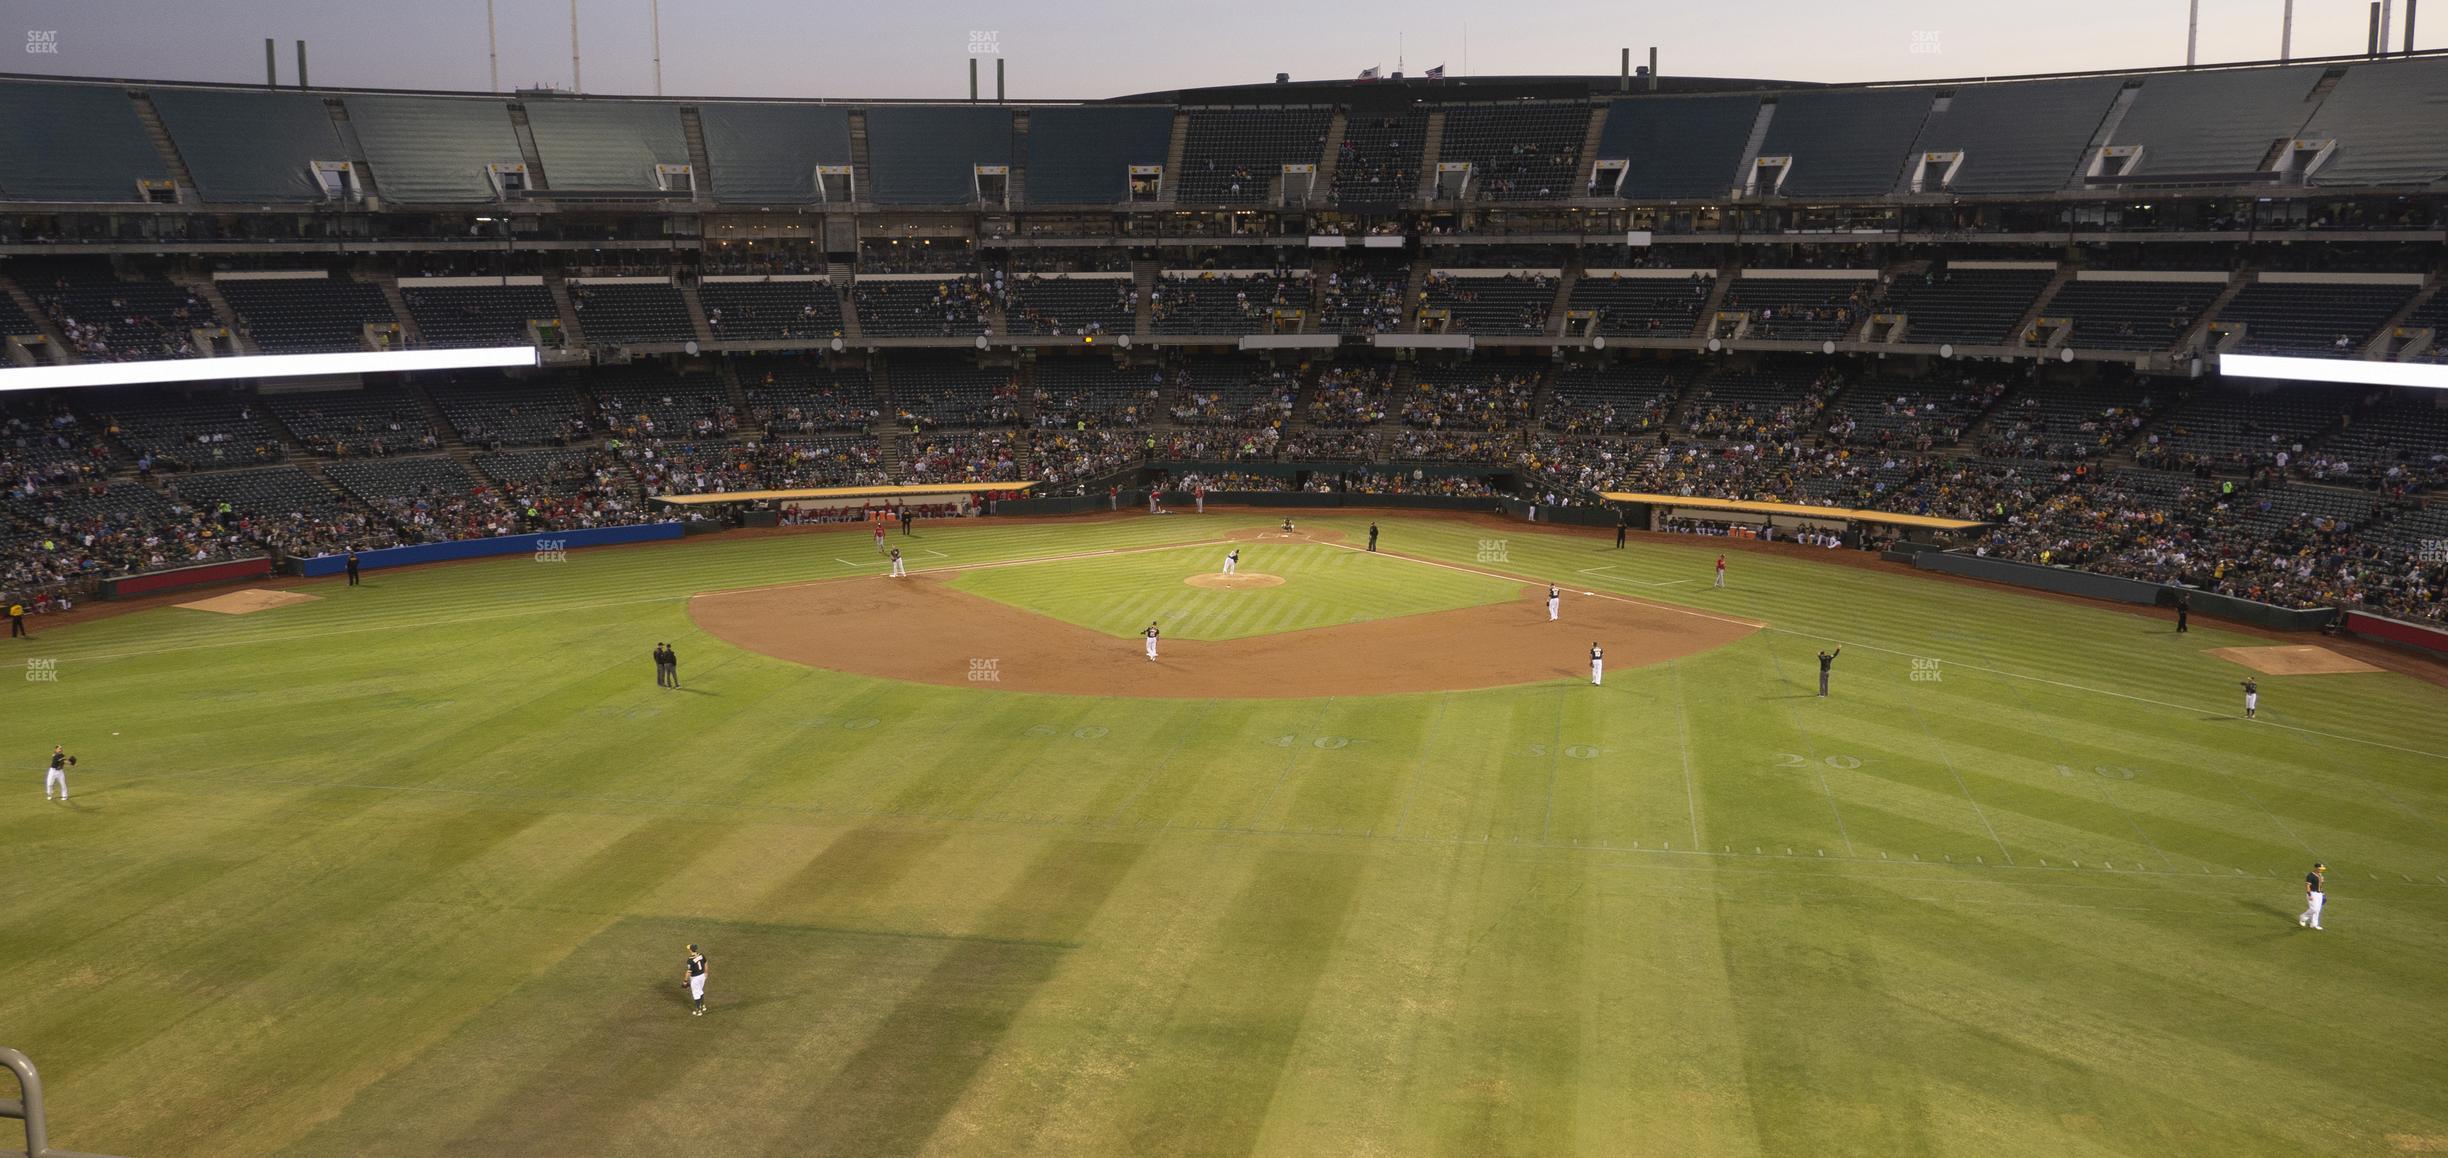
697 988
1552 604
2252 703
2312 909
899 569
1151 648
53 776
1721 576
1231 564
1597 669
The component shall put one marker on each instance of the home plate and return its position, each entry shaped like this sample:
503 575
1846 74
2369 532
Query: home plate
2299 660
249 601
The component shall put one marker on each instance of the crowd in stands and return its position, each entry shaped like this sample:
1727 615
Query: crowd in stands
108 324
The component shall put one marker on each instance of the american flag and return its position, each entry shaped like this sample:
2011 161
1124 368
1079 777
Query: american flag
1369 73
1437 73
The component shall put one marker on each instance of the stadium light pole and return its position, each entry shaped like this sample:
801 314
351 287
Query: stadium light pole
492 48
654 17
2192 30
578 85
2286 32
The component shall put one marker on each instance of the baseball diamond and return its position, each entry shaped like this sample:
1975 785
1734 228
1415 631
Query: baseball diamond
1196 902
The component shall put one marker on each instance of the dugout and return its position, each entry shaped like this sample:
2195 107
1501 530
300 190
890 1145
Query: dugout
853 504
1657 512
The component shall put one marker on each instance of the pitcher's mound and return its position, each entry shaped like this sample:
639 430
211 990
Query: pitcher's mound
1235 582
249 601
2299 660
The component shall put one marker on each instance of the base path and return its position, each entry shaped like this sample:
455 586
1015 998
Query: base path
920 630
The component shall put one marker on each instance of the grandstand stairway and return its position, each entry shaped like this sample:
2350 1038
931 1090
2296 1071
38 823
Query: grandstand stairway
860 173
2197 336
1143 279
1175 150
1589 150
162 144
356 148
1333 148
692 128
1409 319
432 410
1719 286
2039 306
558 286
1015 183
42 321
1556 310
204 289
1432 149
527 147
696 309
399 309
2383 344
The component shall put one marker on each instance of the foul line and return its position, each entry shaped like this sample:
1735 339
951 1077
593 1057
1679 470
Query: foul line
1634 600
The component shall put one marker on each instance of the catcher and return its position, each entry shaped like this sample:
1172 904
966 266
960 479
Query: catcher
57 774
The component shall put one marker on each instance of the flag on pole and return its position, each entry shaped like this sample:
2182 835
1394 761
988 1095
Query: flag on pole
1437 73
1369 73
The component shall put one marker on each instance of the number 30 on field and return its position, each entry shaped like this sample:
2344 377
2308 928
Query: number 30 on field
1793 760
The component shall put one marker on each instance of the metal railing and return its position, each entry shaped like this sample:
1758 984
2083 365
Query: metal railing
28 1107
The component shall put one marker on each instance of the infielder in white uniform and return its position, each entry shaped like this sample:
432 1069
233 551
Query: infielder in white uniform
899 571
1597 662
2252 699
1151 633
1232 562
57 773
2313 896
1555 600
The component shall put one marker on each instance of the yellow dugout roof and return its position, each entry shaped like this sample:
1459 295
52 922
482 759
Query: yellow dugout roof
904 491
1793 510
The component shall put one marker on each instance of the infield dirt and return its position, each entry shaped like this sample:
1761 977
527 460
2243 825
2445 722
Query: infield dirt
920 630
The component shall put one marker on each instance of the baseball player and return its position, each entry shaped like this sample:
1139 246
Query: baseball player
1372 534
1597 662
1151 633
2314 896
879 534
696 969
1721 570
2252 698
57 774
898 570
1555 603
1232 562
1827 660
1287 526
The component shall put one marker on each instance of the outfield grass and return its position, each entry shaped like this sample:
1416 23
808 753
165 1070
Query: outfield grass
1323 586
409 870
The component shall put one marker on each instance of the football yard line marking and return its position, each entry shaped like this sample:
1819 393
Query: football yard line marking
1810 744
1411 784
1912 702
1691 795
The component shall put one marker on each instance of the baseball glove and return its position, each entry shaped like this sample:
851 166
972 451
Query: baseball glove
72 761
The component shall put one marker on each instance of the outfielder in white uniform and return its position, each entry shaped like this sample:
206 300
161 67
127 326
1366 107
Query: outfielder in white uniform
2314 897
57 773
1151 633
1555 600
899 570
2252 699
1232 562
1597 662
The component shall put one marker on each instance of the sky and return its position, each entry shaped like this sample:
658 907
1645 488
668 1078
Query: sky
1086 49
